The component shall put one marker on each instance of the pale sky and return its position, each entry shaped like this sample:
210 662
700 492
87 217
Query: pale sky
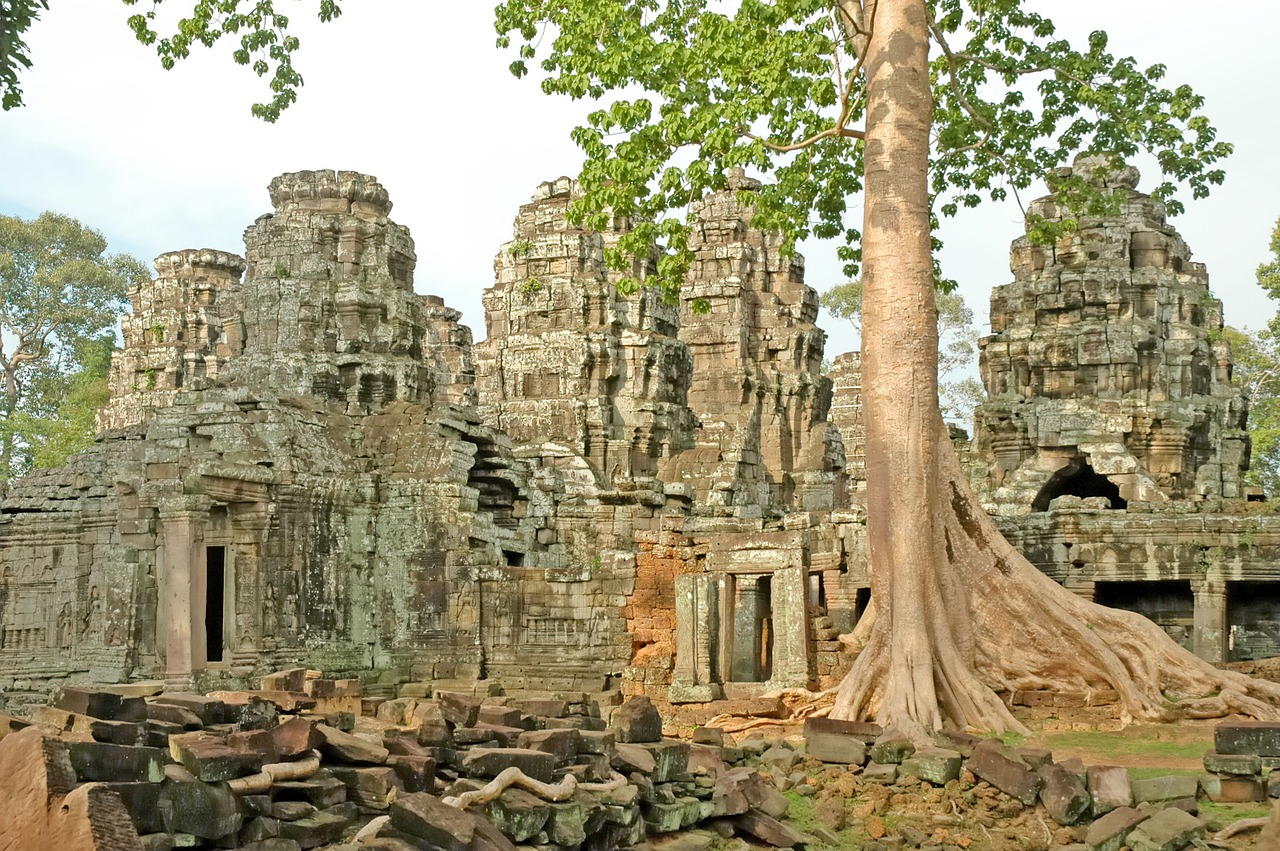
414 92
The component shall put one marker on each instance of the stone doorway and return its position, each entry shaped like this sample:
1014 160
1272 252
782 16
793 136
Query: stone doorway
215 604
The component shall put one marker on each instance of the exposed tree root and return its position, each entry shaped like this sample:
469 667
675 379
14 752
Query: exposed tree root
513 776
984 619
260 783
1246 824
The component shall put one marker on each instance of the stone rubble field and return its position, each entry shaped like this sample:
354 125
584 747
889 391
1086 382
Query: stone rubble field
306 762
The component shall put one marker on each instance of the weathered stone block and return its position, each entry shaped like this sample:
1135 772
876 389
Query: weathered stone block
346 747
1004 769
1110 831
1157 790
1221 763
1109 788
636 720
1063 794
936 765
1168 830
1261 738
102 761
489 762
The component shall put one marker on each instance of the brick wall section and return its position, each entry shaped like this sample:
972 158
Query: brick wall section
650 612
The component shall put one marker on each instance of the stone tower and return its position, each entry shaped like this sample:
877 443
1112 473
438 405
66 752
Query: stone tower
1106 372
757 387
571 361
183 329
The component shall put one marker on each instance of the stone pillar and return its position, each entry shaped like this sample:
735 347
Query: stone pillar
249 525
183 572
747 633
790 626
697 627
1210 621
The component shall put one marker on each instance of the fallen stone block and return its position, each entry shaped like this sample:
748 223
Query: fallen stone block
1224 763
543 707
1063 795
103 761
461 710
284 701
141 799
274 843
427 817
878 773
713 736
323 828
935 765
210 759
502 716
416 773
205 810
563 744
345 747
596 742
1260 738
958 741
490 762
670 760
207 709
1110 831
518 814
290 811
1168 830
321 791
1234 789
295 737
1109 788
103 705
630 757
636 720
1004 769
374 787
1157 790
832 741
111 732
290 679
170 713
768 829
891 748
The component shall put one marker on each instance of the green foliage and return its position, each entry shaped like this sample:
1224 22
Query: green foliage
61 423
1256 370
958 391
59 292
530 285
521 248
689 89
157 332
282 271
16 17
1269 273
265 43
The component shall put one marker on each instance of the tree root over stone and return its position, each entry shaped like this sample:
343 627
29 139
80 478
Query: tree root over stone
982 619
513 776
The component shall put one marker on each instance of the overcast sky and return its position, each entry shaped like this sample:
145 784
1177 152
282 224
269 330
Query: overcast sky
414 92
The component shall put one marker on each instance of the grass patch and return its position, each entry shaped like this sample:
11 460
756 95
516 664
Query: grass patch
1127 743
1146 772
802 816
1227 813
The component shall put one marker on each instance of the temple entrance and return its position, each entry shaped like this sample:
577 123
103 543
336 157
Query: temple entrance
1170 603
1078 478
1253 620
215 601
752 629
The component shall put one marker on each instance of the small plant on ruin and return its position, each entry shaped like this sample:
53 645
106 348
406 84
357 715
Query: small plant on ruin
529 286
520 249
282 271
150 372
157 332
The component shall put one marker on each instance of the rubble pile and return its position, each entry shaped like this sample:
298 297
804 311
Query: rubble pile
306 762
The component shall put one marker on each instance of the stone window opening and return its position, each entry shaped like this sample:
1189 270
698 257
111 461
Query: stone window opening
1078 478
1170 603
215 603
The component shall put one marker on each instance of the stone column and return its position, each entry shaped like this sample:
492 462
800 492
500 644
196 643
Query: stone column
697 625
747 632
249 525
184 592
1210 621
790 627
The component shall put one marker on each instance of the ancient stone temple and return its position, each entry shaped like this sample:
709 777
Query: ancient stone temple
304 462
1112 442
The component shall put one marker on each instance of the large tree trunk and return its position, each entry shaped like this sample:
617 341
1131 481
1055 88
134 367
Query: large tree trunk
959 613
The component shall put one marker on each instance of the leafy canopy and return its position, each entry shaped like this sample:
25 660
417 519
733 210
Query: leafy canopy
692 88
16 17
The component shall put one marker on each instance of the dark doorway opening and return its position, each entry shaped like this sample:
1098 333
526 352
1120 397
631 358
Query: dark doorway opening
214 601
1078 478
1169 602
1253 620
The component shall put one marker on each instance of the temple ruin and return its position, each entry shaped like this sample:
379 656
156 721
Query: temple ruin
304 462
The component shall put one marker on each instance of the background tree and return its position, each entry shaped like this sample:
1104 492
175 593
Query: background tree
1256 355
61 296
958 390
